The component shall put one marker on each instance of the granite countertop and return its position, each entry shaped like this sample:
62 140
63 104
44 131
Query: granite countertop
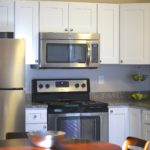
117 99
120 99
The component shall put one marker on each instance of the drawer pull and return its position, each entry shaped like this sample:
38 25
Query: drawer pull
34 116
111 111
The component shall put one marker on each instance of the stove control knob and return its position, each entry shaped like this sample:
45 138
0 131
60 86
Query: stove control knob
77 85
40 86
47 86
83 85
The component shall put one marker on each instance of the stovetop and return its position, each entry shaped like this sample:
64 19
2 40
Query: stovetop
65 95
76 106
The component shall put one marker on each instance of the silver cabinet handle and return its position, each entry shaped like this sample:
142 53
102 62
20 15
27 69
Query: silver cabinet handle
44 127
121 61
34 116
100 61
111 111
71 29
36 60
66 29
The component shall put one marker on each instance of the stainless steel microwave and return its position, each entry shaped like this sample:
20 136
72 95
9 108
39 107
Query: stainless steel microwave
69 50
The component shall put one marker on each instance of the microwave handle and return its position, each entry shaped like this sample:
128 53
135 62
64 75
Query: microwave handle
88 54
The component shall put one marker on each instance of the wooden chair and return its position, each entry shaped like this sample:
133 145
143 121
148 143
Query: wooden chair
16 135
133 141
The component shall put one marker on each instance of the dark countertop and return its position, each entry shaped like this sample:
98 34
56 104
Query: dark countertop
117 99
120 100
130 103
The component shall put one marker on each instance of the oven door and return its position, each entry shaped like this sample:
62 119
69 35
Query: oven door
90 126
68 53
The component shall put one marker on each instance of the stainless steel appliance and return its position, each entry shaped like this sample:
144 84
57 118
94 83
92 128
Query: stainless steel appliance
11 86
69 50
70 108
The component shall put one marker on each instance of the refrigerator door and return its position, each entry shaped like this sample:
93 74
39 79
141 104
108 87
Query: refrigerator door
12 63
12 112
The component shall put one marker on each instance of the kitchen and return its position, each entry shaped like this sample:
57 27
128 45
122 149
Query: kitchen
107 79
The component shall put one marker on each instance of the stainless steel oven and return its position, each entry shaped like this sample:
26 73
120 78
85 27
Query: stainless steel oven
70 109
69 50
91 126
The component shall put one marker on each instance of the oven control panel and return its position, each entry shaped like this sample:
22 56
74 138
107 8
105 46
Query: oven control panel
64 85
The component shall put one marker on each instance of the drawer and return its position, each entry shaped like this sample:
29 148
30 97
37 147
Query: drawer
146 116
36 115
35 127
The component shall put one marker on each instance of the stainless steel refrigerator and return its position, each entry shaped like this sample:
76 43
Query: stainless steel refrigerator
12 97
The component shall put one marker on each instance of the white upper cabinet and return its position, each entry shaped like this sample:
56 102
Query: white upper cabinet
82 17
53 16
135 33
27 27
6 16
108 27
67 17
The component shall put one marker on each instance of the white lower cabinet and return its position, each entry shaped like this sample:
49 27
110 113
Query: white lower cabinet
123 122
146 124
35 119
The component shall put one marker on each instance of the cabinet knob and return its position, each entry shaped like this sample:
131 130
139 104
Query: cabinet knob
111 111
121 61
36 60
44 127
66 29
34 116
71 29
100 61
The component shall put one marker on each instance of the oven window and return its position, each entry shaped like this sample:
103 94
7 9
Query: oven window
83 127
66 53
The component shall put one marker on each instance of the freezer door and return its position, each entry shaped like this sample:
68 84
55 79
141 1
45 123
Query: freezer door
12 63
12 112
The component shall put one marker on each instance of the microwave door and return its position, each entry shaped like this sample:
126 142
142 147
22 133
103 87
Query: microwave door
77 53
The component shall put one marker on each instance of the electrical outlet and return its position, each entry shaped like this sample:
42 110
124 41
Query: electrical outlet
101 79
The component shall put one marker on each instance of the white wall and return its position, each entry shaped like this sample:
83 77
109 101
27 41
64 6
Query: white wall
116 77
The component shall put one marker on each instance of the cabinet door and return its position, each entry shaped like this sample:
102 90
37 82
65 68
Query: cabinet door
82 17
6 16
135 33
118 125
108 27
135 125
35 127
146 131
27 27
146 124
53 16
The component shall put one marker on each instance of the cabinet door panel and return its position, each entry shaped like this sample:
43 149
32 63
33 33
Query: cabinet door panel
108 27
35 127
82 17
6 16
146 116
118 126
134 33
27 27
146 131
135 122
53 16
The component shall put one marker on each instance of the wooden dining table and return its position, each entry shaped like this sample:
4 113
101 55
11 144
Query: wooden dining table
25 144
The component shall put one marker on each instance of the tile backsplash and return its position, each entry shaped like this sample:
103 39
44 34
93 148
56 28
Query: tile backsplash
107 78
